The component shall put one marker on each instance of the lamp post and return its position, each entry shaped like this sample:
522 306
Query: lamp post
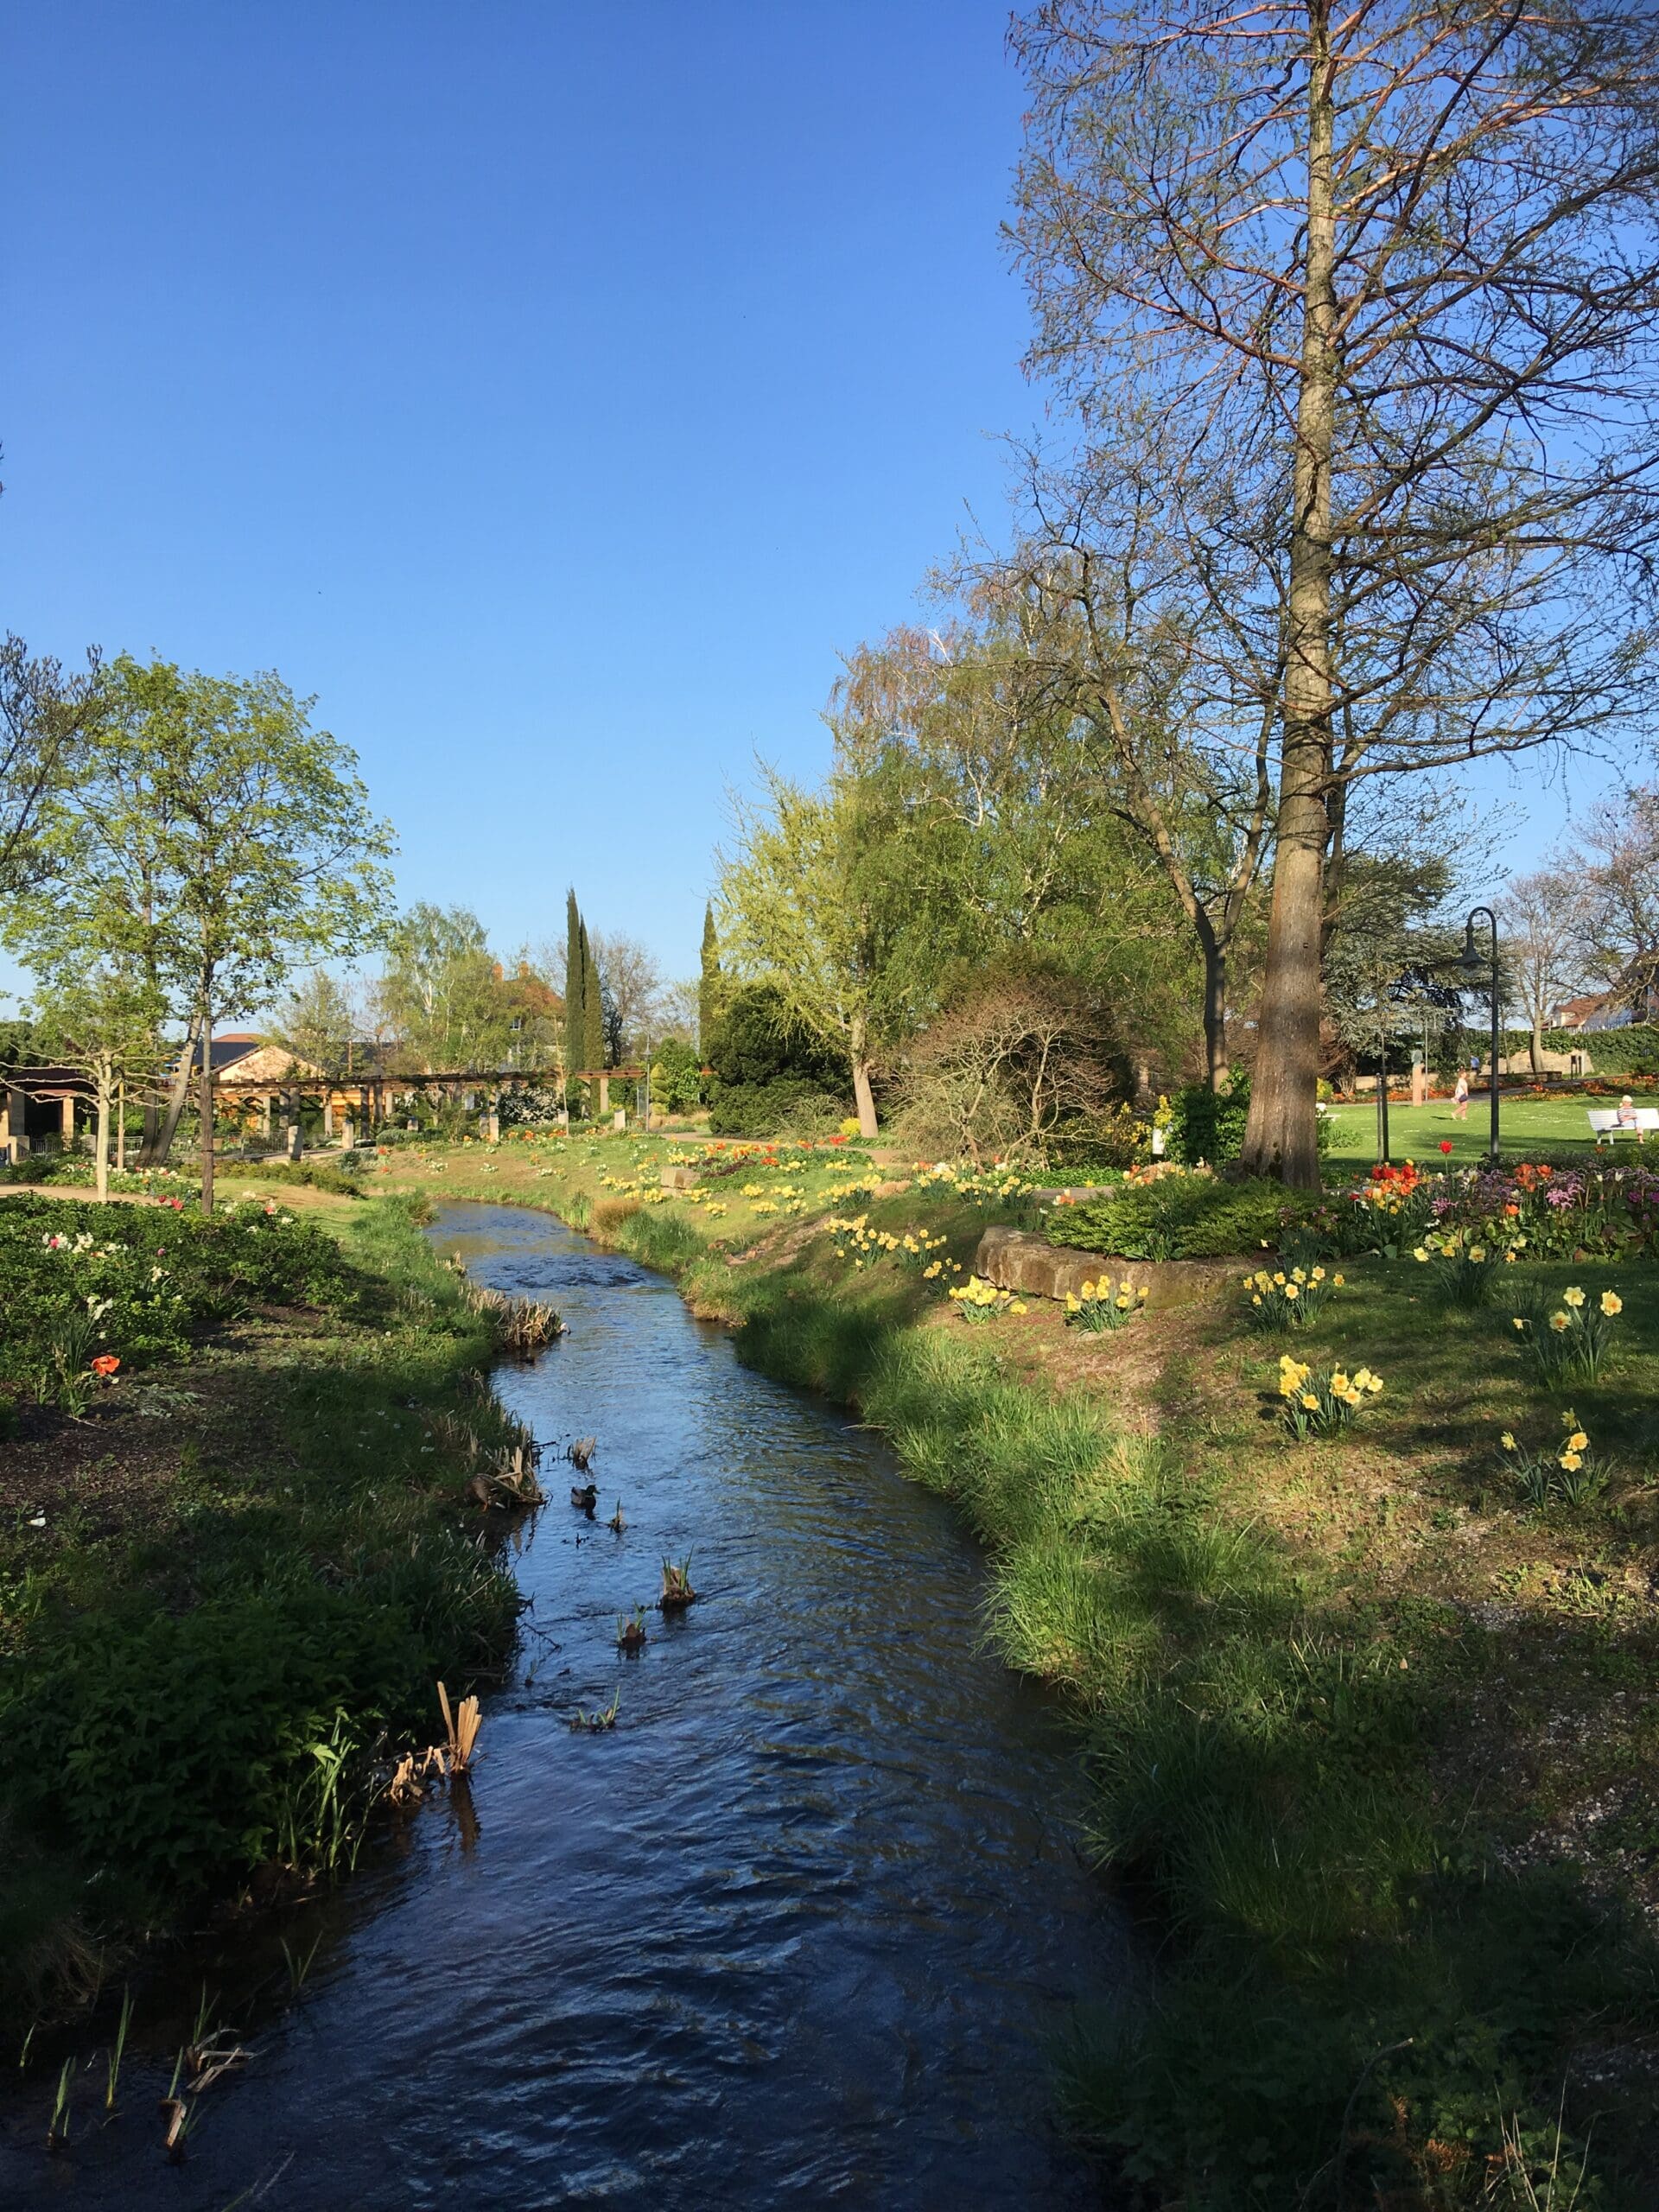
1471 965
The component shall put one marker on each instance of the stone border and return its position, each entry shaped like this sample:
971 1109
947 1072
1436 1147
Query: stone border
1017 1259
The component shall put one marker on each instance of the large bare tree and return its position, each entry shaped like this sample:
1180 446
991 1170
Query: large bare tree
1378 279
1546 918
1615 864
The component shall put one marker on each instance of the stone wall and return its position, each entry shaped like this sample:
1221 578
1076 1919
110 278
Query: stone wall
1017 1259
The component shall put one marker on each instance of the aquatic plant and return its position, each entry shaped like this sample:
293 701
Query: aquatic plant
631 1630
57 2128
676 1584
595 1723
120 2044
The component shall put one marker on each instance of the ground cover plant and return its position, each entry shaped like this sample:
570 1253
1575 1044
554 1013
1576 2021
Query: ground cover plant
1364 1714
228 1585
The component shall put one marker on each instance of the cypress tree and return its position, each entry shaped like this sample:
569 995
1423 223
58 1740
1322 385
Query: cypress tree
709 982
592 1011
576 976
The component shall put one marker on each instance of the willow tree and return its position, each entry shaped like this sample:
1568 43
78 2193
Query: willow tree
1381 280
217 841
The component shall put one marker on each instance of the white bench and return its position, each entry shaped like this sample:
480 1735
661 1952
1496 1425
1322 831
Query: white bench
1608 1125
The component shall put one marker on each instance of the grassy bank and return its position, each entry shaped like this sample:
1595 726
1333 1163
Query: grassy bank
230 1579
1368 1733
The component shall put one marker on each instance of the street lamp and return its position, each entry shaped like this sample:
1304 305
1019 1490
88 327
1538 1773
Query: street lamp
1472 966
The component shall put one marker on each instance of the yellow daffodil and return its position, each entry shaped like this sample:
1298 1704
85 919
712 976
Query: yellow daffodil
1573 1297
1558 1322
1291 1291
1310 1402
1612 1303
1577 1441
1507 1441
1571 1461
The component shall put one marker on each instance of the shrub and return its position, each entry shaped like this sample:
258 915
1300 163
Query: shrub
149 1279
785 1107
770 1079
1207 1124
1183 1217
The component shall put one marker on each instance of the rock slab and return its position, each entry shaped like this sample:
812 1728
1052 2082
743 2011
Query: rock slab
1018 1259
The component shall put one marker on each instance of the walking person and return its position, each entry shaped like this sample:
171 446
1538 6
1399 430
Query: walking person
1460 1097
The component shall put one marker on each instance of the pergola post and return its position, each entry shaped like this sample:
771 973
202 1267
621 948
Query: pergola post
605 1093
66 1120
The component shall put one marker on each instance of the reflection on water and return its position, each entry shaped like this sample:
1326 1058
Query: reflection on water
797 1932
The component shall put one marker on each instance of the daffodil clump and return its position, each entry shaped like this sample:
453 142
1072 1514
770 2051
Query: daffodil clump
1314 1405
855 1239
1566 1472
1104 1305
1570 1342
1464 1261
978 1300
989 1184
1289 1299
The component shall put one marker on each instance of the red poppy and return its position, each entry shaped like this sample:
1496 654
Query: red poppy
1446 1144
105 1364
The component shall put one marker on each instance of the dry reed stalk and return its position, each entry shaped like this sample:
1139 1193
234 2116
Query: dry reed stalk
460 1727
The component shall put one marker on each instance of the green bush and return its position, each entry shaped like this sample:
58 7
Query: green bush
1183 1217
787 1107
168 1744
1209 1125
771 1078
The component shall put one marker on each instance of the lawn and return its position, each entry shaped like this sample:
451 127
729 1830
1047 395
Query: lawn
1416 1132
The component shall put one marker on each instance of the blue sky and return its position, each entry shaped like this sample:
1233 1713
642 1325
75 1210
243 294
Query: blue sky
551 388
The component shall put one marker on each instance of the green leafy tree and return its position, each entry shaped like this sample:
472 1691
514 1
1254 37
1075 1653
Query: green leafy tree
217 840
316 1023
806 906
45 717
442 991
95 1013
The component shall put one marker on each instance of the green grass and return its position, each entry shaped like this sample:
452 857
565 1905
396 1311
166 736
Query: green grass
205 1692
1416 1132
1345 1792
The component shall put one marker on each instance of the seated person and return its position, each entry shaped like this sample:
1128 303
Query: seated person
1627 1116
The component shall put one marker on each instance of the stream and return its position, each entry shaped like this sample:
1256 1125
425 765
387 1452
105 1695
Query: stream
802 1929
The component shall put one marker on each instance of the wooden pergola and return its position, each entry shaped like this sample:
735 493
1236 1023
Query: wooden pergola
604 1078
369 1098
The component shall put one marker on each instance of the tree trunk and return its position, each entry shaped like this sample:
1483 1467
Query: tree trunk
858 1043
157 1147
1535 1044
101 1158
1215 1004
121 1127
206 1097
1282 1137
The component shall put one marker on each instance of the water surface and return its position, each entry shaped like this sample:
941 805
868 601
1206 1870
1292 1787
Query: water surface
800 1930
